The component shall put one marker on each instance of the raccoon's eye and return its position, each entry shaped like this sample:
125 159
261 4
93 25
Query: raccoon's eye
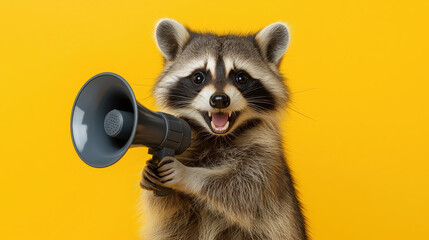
198 78
241 78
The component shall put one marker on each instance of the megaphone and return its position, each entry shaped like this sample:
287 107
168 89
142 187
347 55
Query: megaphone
107 120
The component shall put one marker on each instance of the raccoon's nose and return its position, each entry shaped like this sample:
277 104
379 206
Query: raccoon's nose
219 100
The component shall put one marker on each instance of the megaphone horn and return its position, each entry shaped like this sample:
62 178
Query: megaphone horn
107 120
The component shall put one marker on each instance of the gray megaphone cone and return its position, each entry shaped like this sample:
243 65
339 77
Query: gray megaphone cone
107 120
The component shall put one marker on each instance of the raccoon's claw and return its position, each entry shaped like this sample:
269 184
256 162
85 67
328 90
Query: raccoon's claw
166 173
171 173
148 185
151 174
166 160
150 181
151 164
167 166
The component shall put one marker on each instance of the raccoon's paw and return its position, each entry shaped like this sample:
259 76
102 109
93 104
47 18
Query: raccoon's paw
150 181
172 173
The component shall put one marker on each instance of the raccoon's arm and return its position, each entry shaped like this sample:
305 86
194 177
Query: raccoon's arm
235 191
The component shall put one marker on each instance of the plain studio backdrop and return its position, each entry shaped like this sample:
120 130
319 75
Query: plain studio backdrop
356 130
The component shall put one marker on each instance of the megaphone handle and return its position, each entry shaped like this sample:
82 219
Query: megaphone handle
156 158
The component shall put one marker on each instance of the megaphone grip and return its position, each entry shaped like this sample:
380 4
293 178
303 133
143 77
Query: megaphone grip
157 156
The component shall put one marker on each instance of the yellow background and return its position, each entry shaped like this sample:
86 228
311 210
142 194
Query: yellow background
358 70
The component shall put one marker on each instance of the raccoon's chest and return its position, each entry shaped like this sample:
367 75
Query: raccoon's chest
211 154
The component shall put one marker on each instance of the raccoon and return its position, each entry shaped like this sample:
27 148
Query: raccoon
233 181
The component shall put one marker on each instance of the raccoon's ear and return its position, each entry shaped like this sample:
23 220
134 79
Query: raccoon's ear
273 41
170 37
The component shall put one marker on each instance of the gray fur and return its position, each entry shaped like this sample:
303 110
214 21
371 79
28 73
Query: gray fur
235 185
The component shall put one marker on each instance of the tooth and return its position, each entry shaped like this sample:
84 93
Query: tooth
229 115
210 114
226 126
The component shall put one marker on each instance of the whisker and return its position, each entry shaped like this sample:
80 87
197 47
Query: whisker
300 113
141 100
259 100
264 102
250 90
305 90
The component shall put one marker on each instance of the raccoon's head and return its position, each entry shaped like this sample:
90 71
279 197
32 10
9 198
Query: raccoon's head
221 84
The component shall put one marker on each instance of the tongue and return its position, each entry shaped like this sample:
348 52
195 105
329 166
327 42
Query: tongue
219 119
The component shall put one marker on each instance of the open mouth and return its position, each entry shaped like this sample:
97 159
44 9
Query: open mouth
220 122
